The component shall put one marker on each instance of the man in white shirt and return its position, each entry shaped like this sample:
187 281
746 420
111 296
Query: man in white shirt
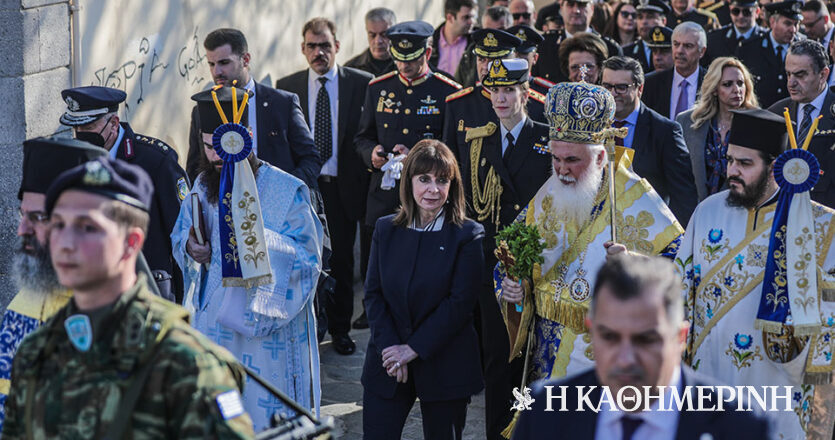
331 98
637 330
670 92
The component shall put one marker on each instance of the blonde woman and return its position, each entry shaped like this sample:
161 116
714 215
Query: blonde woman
727 86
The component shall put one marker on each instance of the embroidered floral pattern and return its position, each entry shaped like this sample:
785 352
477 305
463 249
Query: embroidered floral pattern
740 351
756 255
784 346
254 254
803 404
547 223
232 255
633 233
713 245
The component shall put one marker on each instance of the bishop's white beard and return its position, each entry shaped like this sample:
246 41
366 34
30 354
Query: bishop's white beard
575 202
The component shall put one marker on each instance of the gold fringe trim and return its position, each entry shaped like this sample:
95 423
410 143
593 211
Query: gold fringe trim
828 294
508 431
807 329
768 326
570 314
819 378
248 282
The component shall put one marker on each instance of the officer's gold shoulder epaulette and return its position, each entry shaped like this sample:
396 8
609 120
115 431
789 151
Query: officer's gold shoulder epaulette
447 80
460 93
479 132
536 96
382 77
543 82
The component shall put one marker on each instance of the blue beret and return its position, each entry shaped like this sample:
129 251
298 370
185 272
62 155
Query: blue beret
44 159
86 104
112 178
408 39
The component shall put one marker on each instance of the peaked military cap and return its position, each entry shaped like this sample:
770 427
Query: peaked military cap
660 36
209 116
86 104
548 13
788 8
529 36
507 72
408 39
494 43
658 6
44 158
759 130
744 3
576 112
111 178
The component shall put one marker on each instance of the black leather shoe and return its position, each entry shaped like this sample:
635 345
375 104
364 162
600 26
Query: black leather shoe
361 322
343 344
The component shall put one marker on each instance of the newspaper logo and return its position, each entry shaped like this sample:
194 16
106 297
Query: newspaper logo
523 401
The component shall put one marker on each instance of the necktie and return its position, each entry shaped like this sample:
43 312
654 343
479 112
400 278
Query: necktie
619 140
681 105
780 52
805 123
323 137
510 146
629 425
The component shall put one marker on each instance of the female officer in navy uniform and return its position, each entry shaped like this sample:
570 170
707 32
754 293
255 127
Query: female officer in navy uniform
423 278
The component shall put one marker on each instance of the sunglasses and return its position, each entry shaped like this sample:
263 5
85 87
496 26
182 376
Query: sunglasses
744 11
518 15
627 14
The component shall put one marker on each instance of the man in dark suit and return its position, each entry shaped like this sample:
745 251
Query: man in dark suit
764 56
670 92
638 332
93 113
281 136
577 15
376 60
816 22
651 14
331 99
725 41
661 155
807 68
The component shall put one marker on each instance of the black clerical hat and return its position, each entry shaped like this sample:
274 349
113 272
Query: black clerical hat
209 116
44 158
759 130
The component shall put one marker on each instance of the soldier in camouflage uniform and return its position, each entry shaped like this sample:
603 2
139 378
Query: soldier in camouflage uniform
116 361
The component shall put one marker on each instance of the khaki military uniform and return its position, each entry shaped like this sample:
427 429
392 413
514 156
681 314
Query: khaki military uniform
191 391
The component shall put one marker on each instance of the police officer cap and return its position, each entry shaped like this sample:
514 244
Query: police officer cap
530 38
759 130
548 13
658 6
209 116
506 72
744 3
408 39
789 8
494 43
111 178
45 158
86 104
660 36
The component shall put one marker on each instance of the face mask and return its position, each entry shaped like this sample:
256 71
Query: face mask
93 138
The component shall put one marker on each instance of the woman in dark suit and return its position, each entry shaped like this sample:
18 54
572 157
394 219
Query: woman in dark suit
423 277
727 86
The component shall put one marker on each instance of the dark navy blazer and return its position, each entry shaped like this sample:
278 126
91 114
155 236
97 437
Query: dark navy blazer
421 290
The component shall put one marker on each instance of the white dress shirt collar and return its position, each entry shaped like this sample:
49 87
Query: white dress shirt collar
115 148
513 131
817 102
655 424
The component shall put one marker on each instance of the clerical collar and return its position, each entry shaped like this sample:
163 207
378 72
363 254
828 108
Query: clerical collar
771 200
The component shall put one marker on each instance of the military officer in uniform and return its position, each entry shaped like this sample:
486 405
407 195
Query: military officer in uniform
503 165
684 10
401 108
661 46
116 362
471 107
92 112
725 41
527 49
651 14
720 8
765 55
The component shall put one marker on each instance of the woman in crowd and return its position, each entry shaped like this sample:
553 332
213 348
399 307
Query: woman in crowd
583 49
622 27
424 273
727 86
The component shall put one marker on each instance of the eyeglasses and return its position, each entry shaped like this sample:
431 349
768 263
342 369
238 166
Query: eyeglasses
627 14
744 11
618 88
812 23
518 15
34 217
